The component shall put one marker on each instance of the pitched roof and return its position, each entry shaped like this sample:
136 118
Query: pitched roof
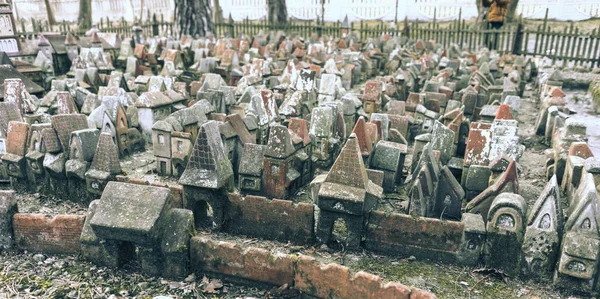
280 144
106 158
300 128
65 124
364 141
9 72
238 125
208 166
9 111
50 141
349 169
88 140
251 162
153 99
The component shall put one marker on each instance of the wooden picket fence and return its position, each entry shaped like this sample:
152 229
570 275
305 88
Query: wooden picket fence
570 45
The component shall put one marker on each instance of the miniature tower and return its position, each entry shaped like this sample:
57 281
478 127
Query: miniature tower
345 27
279 173
208 177
348 194
71 46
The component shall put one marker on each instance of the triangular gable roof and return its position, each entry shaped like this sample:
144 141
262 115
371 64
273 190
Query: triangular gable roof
106 158
549 202
349 169
280 144
364 141
208 165
65 103
65 124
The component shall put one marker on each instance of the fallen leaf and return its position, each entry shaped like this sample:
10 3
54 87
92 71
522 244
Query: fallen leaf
213 286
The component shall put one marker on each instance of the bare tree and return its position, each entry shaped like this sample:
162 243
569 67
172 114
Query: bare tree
218 13
84 20
512 10
50 13
277 12
193 17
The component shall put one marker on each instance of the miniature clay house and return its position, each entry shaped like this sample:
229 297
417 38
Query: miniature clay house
132 222
208 177
346 193
279 175
105 165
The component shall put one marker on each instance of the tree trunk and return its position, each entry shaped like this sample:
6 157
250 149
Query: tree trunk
277 12
218 15
141 12
193 17
84 20
50 13
479 22
512 10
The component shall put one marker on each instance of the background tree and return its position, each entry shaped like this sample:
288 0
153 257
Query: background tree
50 13
218 13
84 20
277 12
193 17
512 10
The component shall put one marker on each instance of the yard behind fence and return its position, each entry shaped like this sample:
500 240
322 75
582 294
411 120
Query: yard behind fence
568 45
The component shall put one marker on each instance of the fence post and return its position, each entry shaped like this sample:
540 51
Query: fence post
231 26
361 29
406 29
154 25
320 27
518 39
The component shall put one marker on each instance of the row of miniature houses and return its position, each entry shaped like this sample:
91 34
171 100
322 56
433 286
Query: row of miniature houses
57 151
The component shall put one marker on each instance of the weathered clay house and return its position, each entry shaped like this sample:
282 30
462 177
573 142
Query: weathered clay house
251 168
9 111
16 148
152 107
208 177
170 138
82 150
35 156
302 143
105 165
347 194
8 71
280 177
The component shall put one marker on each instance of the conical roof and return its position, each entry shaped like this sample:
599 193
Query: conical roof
345 23
208 165
43 42
96 38
349 168
70 40
106 158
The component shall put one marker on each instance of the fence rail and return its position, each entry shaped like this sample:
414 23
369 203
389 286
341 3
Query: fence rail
568 46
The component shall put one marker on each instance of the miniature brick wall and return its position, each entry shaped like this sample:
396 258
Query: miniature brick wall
270 219
299 271
393 233
60 234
